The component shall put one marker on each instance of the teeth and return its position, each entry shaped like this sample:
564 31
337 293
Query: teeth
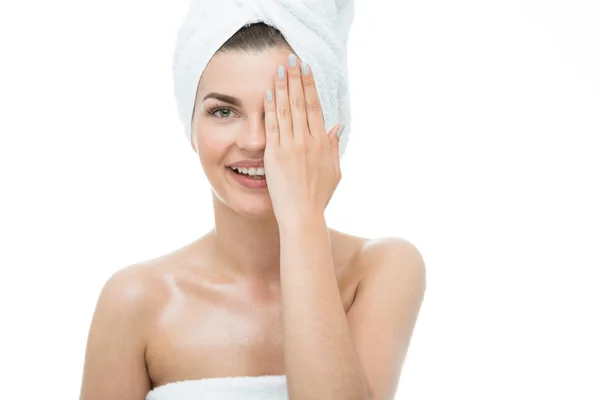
250 171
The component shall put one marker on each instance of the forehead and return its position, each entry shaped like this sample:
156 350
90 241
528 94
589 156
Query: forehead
239 71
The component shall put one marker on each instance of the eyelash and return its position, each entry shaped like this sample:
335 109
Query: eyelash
216 108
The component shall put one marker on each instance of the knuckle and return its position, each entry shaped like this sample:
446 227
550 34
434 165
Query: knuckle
284 113
309 81
300 144
297 101
313 106
272 127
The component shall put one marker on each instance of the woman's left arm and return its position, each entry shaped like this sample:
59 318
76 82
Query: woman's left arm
331 355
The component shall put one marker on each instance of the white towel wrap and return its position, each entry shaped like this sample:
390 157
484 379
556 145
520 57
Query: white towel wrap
265 387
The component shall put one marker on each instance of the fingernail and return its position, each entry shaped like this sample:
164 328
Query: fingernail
339 132
281 72
269 95
305 68
292 60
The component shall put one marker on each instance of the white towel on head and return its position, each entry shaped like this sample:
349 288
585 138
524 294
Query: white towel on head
317 31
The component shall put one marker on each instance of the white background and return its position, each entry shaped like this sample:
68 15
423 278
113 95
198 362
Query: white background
475 136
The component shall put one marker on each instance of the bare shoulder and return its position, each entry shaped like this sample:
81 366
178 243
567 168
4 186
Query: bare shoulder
136 286
384 313
125 311
367 253
396 255
147 282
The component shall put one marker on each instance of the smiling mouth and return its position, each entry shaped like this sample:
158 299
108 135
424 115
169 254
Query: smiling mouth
246 175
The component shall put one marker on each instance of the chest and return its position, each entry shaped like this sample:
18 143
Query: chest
221 334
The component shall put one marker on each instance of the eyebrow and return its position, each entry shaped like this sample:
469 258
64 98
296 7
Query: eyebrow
223 97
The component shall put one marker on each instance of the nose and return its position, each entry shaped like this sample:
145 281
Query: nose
252 137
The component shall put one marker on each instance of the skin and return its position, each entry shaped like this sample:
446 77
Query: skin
213 308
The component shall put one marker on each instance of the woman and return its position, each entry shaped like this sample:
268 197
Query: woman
270 303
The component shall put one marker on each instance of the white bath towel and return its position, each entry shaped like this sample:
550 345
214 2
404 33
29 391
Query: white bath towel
266 387
317 31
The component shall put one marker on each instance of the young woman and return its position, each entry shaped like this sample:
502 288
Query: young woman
271 302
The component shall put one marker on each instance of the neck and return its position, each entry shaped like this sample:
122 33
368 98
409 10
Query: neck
246 246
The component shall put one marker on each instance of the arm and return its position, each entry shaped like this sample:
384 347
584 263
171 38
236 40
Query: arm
384 313
114 366
329 355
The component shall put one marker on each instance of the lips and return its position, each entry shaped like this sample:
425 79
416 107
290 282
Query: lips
247 181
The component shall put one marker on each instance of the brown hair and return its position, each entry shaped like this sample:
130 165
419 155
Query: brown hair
257 36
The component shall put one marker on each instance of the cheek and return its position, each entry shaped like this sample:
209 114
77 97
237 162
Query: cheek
213 144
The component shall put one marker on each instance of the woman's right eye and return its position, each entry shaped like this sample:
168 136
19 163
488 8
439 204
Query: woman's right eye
216 110
223 110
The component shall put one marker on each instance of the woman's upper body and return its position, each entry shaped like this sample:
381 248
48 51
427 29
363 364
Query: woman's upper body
213 309
183 317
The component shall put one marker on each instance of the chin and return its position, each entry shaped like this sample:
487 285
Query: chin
250 203
253 208
244 203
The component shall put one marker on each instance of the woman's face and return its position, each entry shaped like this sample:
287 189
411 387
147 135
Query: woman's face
225 131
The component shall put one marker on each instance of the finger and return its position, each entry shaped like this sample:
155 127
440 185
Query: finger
282 105
334 140
297 102
314 112
271 125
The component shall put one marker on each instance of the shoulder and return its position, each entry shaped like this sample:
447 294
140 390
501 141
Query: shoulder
381 261
149 285
389 246
134 290
395 257
384 313
120 322
129 292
